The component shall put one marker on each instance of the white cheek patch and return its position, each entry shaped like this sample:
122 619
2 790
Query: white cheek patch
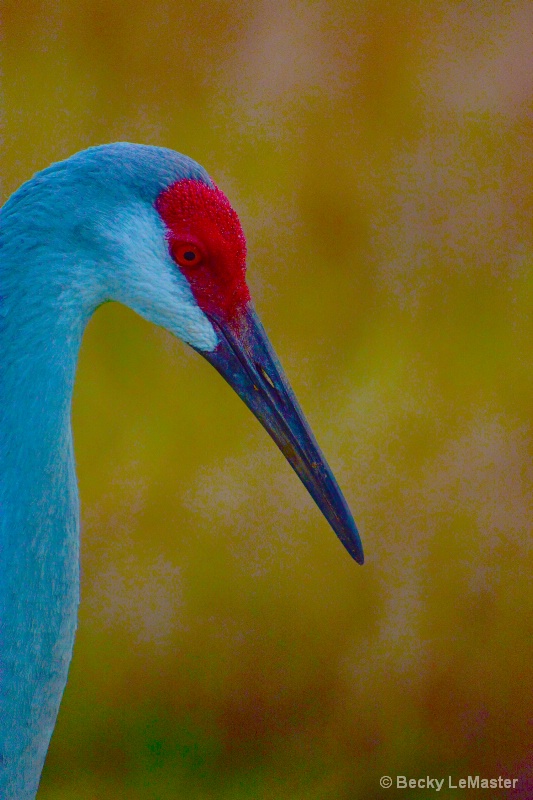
142 275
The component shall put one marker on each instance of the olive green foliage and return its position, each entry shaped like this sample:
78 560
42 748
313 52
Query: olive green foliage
379 155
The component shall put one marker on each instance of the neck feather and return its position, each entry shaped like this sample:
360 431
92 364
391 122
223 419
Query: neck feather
41 324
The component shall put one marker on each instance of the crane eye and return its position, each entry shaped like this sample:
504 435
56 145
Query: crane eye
187 254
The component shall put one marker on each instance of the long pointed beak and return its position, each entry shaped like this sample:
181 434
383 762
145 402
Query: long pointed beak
247 361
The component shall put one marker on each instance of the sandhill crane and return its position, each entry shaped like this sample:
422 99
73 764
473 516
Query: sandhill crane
147 227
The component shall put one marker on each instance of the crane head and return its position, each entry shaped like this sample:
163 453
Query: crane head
147 227
206 242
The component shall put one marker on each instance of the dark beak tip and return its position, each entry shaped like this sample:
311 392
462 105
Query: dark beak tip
354 547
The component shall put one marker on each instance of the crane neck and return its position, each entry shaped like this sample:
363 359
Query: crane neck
41 325
78 233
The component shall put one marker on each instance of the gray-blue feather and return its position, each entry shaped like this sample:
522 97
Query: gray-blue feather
79 233
110 173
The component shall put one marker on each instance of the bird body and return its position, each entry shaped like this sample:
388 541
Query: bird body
147 227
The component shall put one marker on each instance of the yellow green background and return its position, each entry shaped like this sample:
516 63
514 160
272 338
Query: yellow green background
380 157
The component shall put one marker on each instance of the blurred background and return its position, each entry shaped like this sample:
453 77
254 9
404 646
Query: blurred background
380 157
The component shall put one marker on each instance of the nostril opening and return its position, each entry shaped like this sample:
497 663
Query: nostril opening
266 377
262 371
